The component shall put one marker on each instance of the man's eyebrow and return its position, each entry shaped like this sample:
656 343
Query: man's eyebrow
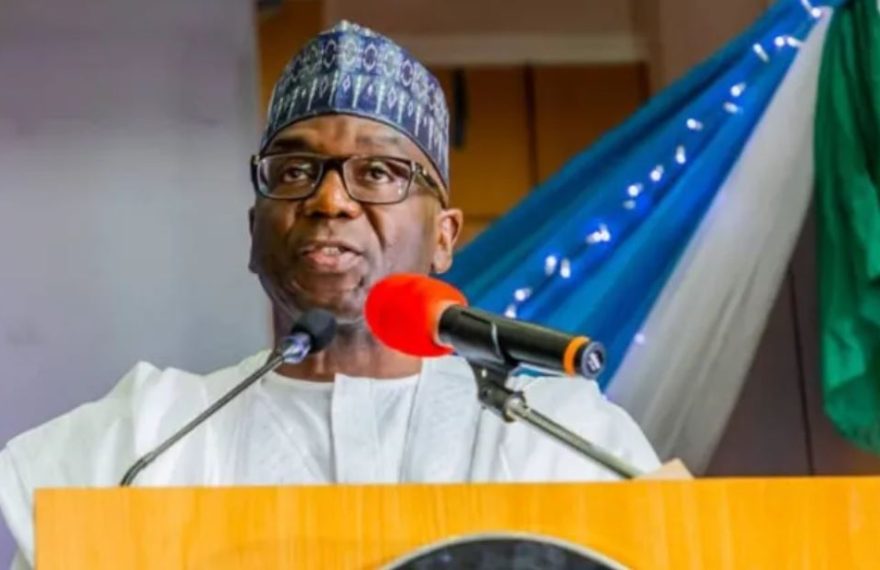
380 140
291 144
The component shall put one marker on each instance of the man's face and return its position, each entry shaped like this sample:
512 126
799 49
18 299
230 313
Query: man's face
328 250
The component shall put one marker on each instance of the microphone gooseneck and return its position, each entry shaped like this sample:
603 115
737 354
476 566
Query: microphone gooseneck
311 333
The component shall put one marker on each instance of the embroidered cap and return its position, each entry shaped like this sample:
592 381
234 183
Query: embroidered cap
353 70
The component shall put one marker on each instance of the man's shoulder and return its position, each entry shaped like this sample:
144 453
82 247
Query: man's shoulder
93 444
580 405
145 397
140 390
576 403
118 405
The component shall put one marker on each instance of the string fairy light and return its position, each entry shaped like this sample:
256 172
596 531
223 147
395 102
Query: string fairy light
761 52
550 265
680 154
816 13
522 294
565 269
556 266
601 235
657 174
694 125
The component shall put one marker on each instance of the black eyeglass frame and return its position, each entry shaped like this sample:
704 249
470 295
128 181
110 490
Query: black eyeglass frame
417 171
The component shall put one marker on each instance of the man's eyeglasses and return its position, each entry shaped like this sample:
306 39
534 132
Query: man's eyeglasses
367 179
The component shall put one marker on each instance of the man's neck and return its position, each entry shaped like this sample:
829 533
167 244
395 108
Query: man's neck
353 352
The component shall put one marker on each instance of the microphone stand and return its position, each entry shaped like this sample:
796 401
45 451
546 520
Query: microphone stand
293 349
512 406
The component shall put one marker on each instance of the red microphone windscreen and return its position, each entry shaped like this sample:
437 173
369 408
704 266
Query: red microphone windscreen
403 312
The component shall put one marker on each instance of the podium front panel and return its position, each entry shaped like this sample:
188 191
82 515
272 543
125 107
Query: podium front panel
826 523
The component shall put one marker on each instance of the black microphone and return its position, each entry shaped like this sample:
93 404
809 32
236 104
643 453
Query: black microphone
310 334
422 316
485 337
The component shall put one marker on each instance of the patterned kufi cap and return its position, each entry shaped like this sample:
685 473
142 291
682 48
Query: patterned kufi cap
353 70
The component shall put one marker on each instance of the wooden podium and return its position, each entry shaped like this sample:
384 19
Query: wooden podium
826 523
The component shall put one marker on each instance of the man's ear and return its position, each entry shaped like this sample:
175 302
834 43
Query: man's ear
251 220
449 224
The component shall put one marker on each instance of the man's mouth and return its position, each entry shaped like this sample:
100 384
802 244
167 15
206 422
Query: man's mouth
330 256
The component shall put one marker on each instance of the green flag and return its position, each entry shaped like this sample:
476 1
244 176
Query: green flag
847 154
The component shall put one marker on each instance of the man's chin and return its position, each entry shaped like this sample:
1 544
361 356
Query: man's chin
346 311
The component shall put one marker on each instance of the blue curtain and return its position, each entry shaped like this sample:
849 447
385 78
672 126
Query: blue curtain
590 249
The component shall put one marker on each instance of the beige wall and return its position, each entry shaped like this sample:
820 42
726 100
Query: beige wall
281 32
671 35
480 16
678 34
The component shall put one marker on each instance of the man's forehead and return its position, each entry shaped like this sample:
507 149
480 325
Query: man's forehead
343 128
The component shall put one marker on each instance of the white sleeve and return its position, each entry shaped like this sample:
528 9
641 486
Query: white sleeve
19 563
16 507
579 405
630 441
86 447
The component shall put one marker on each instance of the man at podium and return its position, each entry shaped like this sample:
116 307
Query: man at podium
352 184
